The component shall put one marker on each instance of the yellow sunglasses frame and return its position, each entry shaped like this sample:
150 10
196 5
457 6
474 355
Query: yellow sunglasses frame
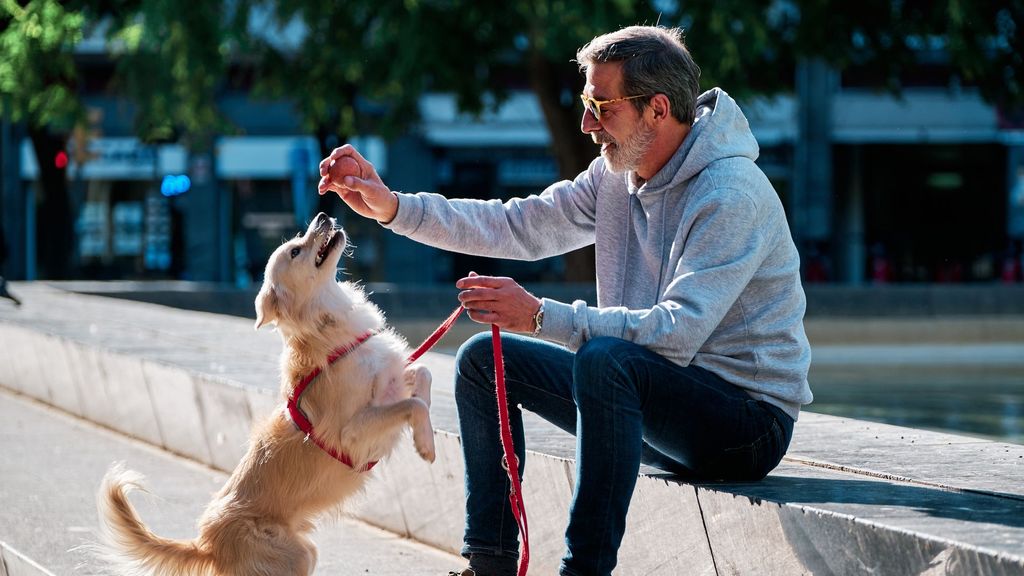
593 105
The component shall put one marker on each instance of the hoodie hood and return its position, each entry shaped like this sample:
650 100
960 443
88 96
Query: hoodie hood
720 130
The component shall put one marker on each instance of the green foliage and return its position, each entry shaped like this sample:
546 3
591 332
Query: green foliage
37 70
172 62
325 71
361 65
382 55
986 43
743 46
976 42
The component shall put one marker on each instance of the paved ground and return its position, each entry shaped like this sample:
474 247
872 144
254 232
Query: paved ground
51 466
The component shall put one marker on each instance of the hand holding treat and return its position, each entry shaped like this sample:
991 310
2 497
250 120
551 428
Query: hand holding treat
346 172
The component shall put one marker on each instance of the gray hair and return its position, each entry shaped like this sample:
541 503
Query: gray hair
654 61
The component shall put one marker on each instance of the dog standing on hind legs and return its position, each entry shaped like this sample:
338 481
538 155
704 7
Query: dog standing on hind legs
258 523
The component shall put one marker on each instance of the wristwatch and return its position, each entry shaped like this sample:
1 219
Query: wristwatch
538 320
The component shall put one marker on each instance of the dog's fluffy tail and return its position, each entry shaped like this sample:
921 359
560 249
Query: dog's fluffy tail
131 548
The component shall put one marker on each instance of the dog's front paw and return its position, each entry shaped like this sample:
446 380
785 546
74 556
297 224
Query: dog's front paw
425 446
423 434
419 379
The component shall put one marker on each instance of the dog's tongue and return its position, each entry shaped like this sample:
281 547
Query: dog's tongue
322 251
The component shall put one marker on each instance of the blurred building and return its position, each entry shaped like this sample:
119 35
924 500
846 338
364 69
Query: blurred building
927 186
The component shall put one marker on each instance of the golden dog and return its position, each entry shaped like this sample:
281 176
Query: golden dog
258 523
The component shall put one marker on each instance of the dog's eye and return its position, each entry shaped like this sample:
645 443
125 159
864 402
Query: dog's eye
296 251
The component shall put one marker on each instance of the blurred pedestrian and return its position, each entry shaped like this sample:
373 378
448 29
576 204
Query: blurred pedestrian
4 292
694 359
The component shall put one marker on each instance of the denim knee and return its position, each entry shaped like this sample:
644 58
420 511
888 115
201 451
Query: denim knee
601 348
596 362
475 358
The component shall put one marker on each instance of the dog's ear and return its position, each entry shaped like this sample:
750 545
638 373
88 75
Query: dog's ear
268 305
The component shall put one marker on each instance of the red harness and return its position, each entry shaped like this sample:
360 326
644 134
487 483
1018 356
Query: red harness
515 495
299 417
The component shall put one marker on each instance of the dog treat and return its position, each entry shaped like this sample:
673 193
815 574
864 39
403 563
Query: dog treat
344 166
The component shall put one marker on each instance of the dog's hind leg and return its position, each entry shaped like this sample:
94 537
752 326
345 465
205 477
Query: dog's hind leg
271 549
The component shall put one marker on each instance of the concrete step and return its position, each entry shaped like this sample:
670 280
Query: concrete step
52 464
852 497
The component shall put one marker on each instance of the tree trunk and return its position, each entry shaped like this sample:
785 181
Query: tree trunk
329 137
556 86
54 246
328 140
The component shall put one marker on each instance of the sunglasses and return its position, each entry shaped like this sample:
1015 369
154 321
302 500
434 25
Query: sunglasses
594 106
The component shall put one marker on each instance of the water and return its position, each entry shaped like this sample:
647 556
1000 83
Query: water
975 401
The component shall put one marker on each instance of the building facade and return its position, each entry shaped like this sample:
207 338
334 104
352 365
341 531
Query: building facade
927 186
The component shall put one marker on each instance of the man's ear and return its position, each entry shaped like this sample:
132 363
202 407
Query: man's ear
268 305
660 106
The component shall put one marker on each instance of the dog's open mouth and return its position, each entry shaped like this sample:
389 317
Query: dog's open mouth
332 238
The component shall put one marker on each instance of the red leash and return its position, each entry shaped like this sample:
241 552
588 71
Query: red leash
515 494
437 335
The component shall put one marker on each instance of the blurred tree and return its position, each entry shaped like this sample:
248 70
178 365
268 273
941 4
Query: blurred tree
392 51
364 65
315 55
171 62
976 43
360 66
38 82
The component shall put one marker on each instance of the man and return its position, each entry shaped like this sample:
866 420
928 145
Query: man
695 358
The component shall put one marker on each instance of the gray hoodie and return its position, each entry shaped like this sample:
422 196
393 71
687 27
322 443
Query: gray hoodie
697 264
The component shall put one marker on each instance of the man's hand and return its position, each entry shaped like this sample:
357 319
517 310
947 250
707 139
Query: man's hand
497 300
367 196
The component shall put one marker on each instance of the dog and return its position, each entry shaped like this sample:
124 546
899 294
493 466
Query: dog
259 522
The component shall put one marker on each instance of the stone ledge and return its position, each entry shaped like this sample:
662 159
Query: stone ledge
852 497
906 300
14 563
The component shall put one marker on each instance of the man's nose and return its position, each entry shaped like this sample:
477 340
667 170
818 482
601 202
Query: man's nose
589 123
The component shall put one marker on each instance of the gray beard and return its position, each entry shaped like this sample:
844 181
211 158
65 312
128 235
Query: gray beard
626 155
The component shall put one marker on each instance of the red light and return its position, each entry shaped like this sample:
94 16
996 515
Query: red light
61 160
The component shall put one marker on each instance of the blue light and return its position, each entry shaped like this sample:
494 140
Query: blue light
175 185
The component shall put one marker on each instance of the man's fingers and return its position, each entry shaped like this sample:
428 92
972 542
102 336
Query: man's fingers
483 316
480 282
345 150
350 150
357 184
350 184
324 185
479 298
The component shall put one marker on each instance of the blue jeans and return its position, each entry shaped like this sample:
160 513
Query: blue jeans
626 405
